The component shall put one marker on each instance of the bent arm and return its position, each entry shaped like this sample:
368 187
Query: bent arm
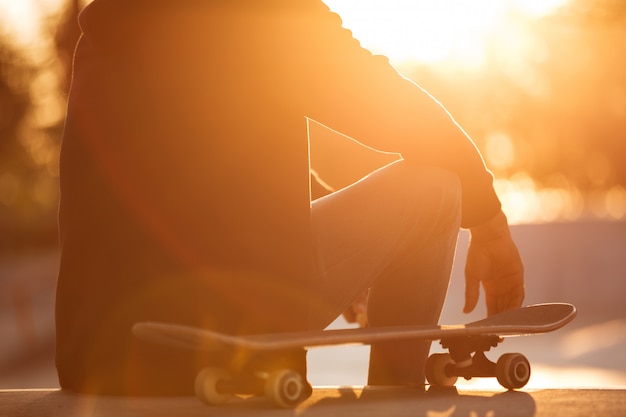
363 96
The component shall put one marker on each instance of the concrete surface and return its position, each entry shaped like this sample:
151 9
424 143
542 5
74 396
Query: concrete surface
329 402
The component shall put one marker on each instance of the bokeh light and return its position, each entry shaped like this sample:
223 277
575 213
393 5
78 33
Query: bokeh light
538 87
537 84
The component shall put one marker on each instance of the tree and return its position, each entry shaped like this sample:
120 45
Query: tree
33 81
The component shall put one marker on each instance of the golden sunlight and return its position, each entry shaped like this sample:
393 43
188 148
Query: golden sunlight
430 32
21 20
525 202
17 20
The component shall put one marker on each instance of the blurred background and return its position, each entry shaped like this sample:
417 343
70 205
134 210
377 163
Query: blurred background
539 85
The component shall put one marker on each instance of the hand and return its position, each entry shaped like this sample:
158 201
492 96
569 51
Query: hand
357 312
494 260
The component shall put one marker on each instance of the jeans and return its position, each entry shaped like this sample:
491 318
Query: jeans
393 232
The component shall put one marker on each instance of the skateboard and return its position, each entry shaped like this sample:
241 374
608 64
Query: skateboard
466 345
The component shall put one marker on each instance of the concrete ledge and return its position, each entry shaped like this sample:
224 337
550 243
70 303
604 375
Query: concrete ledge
328 402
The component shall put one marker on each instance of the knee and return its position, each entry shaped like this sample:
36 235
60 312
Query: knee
432 188
433 192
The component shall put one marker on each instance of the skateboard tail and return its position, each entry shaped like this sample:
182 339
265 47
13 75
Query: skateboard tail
465 344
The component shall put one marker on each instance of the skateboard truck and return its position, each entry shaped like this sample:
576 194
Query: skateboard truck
262 363
466 358
462 348
283 385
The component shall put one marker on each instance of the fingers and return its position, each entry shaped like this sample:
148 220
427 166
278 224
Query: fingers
472 293
361 318
493 306
357 311
496 264
349 315
355 314
504 294
477 266
360 309
513 299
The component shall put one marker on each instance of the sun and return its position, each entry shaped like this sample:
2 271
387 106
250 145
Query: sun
435 31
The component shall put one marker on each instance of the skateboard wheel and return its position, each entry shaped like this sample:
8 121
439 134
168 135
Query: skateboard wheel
436 370
206 386
513 370
285 388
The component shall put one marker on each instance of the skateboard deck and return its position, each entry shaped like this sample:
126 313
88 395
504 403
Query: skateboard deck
466 345
540 318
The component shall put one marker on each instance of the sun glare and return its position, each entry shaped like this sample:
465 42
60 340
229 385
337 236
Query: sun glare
17 20
431 32
21 20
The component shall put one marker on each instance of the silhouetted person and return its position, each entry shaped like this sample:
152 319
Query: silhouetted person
185 192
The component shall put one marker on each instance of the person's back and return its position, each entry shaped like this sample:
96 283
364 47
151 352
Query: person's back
182 168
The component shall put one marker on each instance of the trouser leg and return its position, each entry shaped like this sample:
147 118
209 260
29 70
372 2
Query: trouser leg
394 232
413 292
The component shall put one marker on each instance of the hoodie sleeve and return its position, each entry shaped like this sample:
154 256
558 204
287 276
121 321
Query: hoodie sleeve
363 96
